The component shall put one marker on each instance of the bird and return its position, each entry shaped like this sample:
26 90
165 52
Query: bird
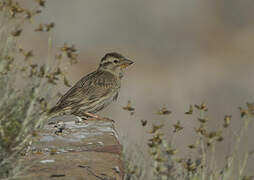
95 91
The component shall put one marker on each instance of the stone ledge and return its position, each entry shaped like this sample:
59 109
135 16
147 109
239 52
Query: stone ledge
67 150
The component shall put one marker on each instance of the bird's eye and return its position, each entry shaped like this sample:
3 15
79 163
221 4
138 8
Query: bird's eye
115 61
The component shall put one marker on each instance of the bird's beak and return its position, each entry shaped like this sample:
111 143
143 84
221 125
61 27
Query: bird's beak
125 63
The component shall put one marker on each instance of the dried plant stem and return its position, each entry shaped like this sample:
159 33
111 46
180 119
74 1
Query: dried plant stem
203 175
242 133
243 166
230 162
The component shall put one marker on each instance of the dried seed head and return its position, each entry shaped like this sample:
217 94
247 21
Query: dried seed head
57 72
155 128
39 29
153 152
227 120
209 143
14 9
16 32
28 15
189 165
220 138
143 122
164 111
42 71
243 112
203 120
201 130
179 160
49 26
67 48
250 107
201 107
151 144
70 53
45 27
177 126
41 2
43 103
212 134
158 158
192 146
27 54
157 138
171 151
129 107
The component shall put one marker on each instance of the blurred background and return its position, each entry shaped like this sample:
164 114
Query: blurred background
185 52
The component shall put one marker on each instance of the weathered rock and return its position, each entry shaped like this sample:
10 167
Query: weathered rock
68 150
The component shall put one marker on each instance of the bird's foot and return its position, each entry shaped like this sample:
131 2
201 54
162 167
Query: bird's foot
79 119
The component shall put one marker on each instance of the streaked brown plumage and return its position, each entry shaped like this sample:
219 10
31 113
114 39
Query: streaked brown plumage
96 90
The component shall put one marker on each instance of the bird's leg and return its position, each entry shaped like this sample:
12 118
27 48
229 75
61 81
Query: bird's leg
92 115
79 119
87 114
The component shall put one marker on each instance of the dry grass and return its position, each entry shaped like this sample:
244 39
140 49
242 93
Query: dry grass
26 84
26 88
201 163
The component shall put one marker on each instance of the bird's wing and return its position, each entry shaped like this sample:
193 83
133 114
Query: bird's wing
90 89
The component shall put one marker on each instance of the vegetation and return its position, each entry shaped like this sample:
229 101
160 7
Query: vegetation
25 81
201 162
26 86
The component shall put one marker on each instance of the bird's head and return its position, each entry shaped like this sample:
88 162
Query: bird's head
114 62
